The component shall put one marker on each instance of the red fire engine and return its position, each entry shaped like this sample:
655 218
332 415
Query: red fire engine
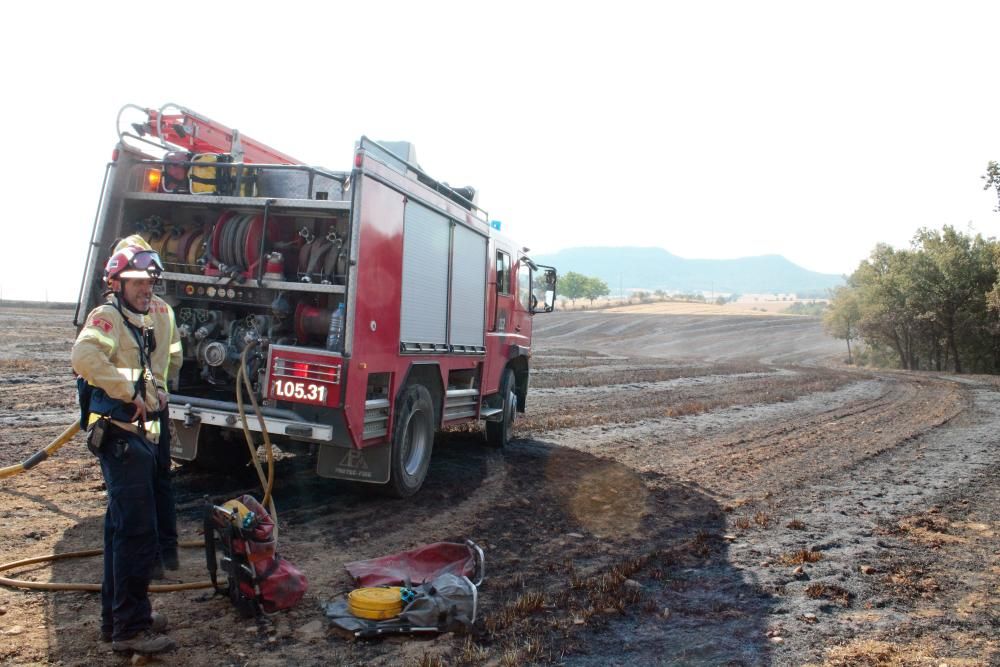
367 307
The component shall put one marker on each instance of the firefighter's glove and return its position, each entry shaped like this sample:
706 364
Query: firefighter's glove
140 410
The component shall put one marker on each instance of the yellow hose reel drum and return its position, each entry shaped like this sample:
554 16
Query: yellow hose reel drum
376 604
240 510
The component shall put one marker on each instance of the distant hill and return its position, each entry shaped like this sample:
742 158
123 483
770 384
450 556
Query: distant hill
655 268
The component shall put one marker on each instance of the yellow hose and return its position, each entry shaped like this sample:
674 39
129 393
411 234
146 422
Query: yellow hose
68 586
43 454
30 463
267 482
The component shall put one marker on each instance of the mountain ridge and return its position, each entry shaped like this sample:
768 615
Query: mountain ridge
650 268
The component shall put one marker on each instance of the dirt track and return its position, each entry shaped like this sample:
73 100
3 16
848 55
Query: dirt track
684 490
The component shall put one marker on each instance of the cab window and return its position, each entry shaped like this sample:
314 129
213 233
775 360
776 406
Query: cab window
524 285
503 272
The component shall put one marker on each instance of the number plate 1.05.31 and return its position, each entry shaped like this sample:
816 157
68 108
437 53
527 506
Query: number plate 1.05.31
303 377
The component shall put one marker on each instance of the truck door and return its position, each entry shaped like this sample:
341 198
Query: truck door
500 316
521 325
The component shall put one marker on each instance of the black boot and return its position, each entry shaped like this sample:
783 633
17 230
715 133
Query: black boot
170 559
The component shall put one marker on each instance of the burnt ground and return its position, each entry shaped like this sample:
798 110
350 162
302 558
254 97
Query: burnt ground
703 490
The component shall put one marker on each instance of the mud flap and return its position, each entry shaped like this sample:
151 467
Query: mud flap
370 464
184 440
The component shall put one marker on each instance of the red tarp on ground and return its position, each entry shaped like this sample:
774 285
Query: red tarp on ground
419 565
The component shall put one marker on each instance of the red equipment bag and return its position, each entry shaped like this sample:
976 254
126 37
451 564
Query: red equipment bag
259 578
420 565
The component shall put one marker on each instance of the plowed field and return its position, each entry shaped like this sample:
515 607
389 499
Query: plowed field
683 489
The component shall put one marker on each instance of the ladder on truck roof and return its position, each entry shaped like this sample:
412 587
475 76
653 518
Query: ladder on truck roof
186 129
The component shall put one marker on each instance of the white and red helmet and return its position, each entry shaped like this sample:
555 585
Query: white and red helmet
133 258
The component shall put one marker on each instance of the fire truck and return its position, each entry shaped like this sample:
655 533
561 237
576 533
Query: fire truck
366 308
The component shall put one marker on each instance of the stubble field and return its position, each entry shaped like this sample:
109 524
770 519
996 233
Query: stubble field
684 489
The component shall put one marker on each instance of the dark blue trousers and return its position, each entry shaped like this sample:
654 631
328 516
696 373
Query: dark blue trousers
130 534
166 510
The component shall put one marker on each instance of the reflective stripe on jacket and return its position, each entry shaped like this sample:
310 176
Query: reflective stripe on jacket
106 354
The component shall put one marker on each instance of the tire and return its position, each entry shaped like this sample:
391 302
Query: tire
412 442
498 433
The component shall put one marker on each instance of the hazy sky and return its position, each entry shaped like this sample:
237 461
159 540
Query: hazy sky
711 129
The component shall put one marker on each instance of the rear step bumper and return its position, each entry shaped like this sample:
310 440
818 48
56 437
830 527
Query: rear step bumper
283 423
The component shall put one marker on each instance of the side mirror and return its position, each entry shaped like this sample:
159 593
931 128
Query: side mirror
543 290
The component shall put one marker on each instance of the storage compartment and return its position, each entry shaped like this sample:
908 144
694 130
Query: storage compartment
298 184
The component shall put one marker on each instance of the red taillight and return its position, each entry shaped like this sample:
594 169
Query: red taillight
298 369
358 158
114 155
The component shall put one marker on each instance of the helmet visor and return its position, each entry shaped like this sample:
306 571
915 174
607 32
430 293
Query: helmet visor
147 260
144 264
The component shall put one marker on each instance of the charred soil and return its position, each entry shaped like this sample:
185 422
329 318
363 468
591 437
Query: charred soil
712 490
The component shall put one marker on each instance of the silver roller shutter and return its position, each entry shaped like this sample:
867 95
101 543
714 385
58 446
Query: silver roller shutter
424 315
468 289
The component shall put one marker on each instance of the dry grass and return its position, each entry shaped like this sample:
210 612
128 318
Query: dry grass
875 653
912 581
929 529
801 556
596 376
528 603
831 592
687 408
472 653
20 365
863 654
795 524
600 408
698 308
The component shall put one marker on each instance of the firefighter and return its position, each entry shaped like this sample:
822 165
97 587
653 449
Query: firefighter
166 363
124 381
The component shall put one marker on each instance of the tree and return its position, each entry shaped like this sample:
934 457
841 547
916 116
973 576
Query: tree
992 178
929 304
952 274
883 286
572 285
594 288
843 316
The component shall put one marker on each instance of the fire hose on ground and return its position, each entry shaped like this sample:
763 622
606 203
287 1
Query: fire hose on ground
266 481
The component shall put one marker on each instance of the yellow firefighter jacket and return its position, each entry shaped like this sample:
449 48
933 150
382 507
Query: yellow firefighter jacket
107 355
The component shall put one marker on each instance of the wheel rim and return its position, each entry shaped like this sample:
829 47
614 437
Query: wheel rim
511 413
414 443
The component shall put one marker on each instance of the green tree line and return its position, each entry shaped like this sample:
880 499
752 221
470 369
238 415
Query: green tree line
933 306
575 286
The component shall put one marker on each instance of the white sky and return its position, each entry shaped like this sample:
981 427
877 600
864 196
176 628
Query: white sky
711 129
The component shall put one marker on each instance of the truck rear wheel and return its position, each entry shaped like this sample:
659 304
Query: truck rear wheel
412 442
498 432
